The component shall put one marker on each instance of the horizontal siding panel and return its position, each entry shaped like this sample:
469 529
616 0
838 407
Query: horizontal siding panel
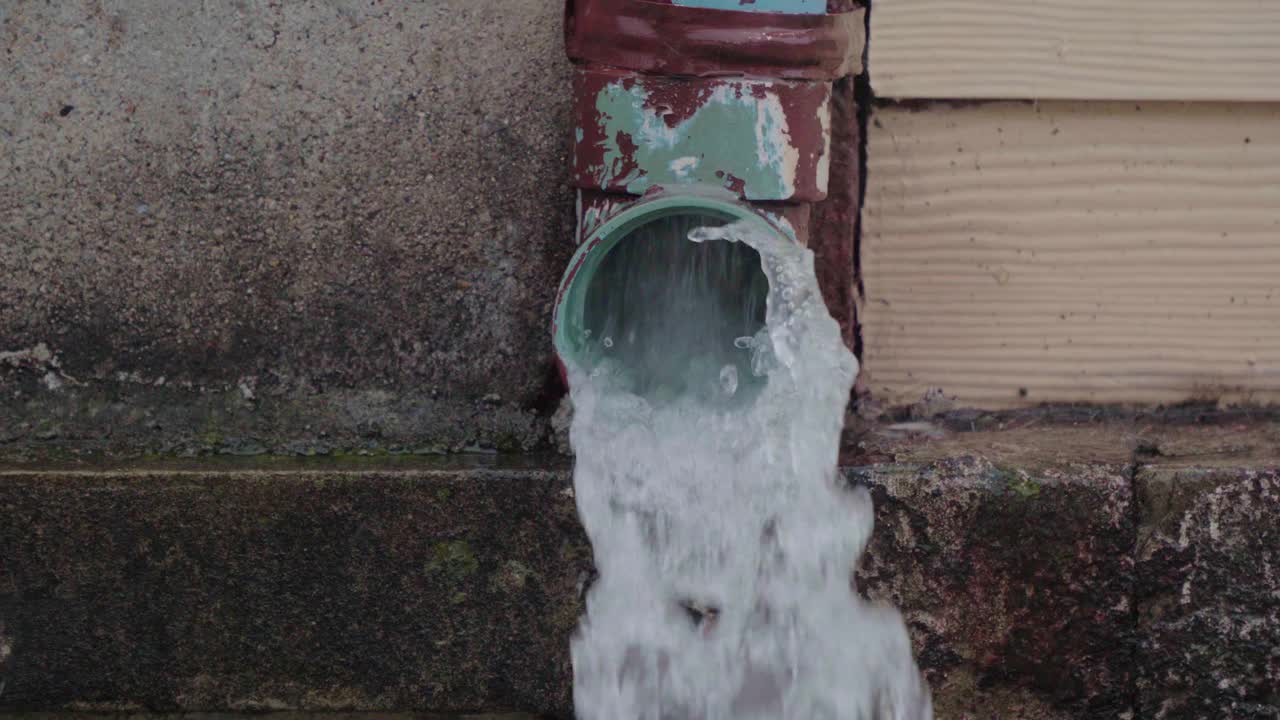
1015 254
1226 50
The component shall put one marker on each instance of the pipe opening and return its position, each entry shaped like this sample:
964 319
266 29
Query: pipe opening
668 315
663 316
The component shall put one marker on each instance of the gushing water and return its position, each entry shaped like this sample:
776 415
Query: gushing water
706 430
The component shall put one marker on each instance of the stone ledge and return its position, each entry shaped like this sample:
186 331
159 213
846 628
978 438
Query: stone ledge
262 590
1208 576
1034 568
260 716
1015 582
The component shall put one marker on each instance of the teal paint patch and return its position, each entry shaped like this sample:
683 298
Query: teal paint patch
737 138
787 7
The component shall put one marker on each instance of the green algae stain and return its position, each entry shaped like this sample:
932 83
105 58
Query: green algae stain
1016 482
454 559
738 134
1025 487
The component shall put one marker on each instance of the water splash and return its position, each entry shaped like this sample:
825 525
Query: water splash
723 534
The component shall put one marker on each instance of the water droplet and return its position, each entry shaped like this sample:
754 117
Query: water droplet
744 342
703 234
608 342
729 379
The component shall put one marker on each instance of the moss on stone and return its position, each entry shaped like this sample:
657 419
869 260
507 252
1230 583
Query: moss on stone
454 558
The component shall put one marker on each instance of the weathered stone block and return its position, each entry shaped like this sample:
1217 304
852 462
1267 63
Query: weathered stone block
1208 581
1013 571
284 715
317 590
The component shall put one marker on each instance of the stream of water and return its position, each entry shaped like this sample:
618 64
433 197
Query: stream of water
708 413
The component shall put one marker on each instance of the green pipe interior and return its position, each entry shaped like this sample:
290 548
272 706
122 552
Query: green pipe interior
670 308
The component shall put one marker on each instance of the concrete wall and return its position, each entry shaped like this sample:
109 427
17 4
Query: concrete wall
279 226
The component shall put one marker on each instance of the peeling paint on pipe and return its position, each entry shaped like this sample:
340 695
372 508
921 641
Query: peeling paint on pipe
658 37
678 101
761 139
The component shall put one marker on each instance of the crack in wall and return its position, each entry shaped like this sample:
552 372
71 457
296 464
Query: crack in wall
864 97
1135 466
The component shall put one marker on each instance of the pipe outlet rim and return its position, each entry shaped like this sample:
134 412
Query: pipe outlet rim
567 316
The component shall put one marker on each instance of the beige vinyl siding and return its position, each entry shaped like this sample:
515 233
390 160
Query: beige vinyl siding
1224 50
1099 252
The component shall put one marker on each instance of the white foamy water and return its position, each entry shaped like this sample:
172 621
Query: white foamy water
706 432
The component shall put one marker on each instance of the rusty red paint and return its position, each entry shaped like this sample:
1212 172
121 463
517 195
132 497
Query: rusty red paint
589 164
626 143
675 108
656 37
832 236
791 218
595 207
678 99
833 6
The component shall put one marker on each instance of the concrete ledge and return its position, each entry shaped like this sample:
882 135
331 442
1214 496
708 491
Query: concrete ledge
250 590
1015 583
1043 572
260 716
1208 576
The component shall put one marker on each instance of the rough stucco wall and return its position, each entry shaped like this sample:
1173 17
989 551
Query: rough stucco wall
279 227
